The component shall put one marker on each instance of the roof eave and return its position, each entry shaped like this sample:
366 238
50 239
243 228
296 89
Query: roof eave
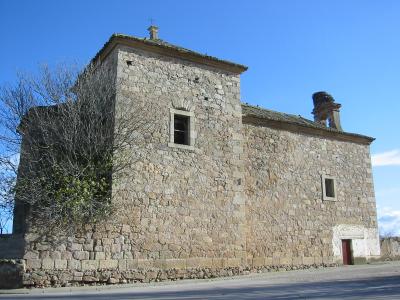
147 45
289 126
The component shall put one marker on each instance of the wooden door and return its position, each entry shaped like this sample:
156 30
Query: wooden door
346 250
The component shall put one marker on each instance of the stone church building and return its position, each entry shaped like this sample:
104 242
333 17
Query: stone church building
222 187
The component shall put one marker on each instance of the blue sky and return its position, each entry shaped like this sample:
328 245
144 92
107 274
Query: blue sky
292 48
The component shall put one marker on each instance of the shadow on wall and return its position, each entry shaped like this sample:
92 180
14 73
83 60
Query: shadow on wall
11 273
11 264
12 246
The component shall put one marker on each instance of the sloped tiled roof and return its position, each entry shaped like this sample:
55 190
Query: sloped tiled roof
255 114
171 49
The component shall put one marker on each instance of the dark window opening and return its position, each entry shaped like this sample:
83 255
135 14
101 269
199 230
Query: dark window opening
181 130
329 188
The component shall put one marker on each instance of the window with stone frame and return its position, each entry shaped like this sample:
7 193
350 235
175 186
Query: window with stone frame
329 188
181 129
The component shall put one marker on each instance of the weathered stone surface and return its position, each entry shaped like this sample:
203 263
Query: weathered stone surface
31 255
90 264
287 216
33 263
112 280
241 198
74 264
47 263
88 278
60 264
76 247
108 264
80 255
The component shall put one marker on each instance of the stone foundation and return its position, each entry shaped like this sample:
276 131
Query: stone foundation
56 278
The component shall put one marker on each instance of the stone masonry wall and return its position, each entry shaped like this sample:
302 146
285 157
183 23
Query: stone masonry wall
240 198
183 203
180 212
288 222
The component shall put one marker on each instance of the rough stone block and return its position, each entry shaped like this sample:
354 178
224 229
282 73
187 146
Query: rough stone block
327 260
99 255
125 229
112 280
117 255
47 263
74 264
90 264
159 263
297 261
78 274
42 246
268 261
132 264
193 262
88 278
31 255
233 262
318 260
218 262
31 237
88 247
76 247
308 260
145 263
258 261
106 241
66 255
122 264
115 248
98 248
286 261
44 254
81 255
175 263
108 264
55 254
60 264
33 263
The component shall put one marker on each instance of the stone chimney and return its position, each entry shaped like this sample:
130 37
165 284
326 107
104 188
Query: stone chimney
153 30
325 109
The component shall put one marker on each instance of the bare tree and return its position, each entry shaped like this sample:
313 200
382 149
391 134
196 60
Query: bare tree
7 182
62 124
385 234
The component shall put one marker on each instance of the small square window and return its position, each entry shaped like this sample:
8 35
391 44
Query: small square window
181 130
328 188
182 134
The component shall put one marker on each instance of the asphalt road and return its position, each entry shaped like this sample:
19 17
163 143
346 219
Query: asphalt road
376 281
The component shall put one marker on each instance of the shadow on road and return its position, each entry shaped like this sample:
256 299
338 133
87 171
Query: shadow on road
371 288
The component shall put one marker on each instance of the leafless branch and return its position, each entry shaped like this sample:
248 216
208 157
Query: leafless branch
62 123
